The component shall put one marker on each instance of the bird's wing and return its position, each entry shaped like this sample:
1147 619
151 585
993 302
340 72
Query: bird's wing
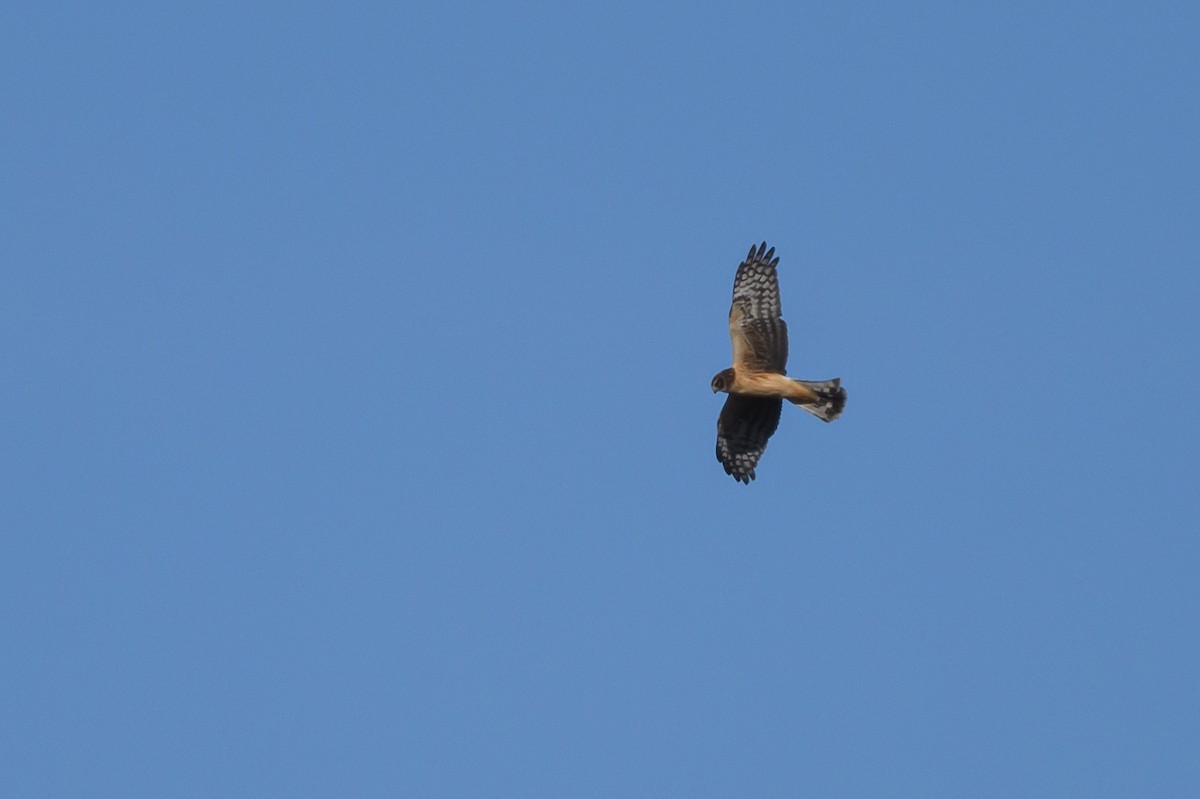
759 334
743 428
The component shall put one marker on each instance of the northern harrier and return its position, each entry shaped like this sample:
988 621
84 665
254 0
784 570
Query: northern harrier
756 384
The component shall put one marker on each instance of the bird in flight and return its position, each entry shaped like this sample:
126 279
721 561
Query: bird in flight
756 383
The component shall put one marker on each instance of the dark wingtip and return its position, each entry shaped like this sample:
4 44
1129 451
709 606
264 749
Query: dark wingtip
762 254
741 475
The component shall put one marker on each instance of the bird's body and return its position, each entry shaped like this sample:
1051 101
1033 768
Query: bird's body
770 384
757 383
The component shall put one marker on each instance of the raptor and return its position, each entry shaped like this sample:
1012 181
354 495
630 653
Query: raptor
757 383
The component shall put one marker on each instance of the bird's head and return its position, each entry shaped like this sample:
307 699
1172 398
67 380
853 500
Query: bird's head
722 380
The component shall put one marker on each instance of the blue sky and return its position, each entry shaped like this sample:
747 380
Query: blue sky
356 433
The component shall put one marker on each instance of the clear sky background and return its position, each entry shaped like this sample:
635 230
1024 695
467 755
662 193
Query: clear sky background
355 426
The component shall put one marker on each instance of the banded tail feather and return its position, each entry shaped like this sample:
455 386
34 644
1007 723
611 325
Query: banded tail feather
831 398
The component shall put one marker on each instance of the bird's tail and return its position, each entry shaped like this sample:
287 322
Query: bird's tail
824 399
